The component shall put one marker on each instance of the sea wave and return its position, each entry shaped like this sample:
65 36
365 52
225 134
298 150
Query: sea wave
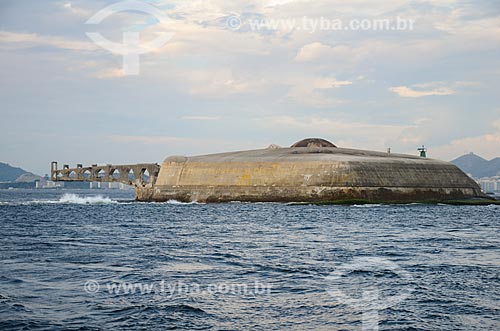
176 202
91 200
67 198
368 205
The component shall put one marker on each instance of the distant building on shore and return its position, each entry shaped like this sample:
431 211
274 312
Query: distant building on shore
45 183
489 184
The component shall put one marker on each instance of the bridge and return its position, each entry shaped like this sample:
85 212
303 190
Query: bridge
138 175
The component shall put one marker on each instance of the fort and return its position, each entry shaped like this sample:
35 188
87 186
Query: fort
311 170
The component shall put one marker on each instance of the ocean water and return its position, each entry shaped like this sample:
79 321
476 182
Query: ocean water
82 261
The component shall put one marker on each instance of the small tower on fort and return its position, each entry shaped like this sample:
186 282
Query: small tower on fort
423 151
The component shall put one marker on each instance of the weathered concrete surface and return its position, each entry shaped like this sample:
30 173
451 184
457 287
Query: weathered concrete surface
311 174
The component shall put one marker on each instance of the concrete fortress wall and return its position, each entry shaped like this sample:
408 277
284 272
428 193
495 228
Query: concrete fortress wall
310 174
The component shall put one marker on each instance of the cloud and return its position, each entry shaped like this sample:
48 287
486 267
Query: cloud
317 50
200 118
182 144
150 140
109 73
375 136
407 92
23 40
313 90
215 82
484 145
324 125
78 11
432 88
313 51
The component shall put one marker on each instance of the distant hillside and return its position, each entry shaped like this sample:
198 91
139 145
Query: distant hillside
27 178
9 173
477 166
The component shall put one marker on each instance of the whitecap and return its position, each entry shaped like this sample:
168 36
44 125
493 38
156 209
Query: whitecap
368 205
176 202
91 200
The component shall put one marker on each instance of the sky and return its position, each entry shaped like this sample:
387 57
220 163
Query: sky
242 74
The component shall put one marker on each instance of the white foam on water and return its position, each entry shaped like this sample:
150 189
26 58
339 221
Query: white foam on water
76 199
176 202
67 198
368 205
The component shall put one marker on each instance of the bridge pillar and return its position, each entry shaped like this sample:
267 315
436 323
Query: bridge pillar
97 173
53 170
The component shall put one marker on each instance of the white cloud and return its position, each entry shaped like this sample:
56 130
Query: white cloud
200 118
487 146
374 136
184 145
317 50
150 140
218 82
407 92
78 11
30 39
109 73
23 40
337 7
313 90
432 88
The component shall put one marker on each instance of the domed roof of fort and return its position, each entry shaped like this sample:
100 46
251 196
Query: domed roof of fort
313 142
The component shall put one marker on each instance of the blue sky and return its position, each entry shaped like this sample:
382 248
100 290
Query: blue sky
213 88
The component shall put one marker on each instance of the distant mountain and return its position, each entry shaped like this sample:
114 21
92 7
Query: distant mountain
27 178
477 166
13 174
9 173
